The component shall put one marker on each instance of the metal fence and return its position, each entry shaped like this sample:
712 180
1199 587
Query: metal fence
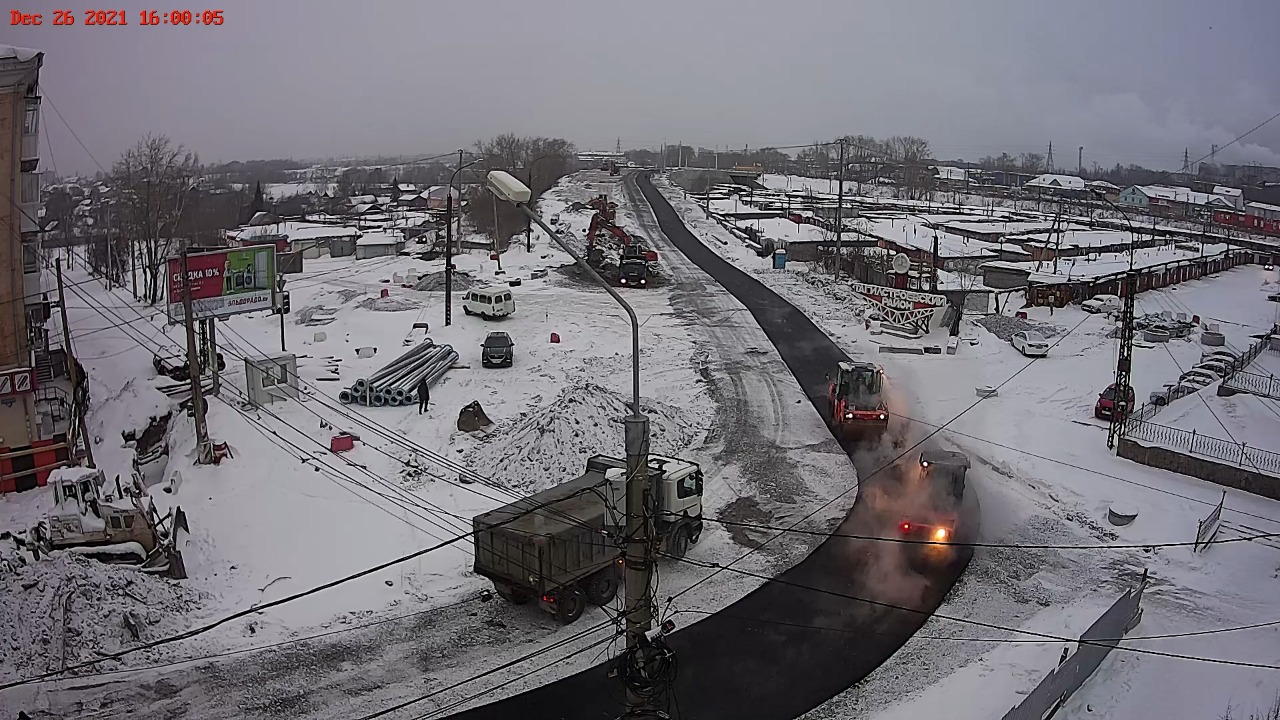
1253 383
1096 642
1228 451
1207 529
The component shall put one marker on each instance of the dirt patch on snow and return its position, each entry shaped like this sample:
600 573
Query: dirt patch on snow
550 444
434 282
389 304
68 609
1003 326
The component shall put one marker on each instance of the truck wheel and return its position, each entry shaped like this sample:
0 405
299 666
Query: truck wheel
678 545
602 587
570 602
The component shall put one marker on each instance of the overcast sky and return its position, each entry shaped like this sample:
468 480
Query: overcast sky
1130 80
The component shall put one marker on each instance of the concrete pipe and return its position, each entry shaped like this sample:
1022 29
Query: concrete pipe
345 397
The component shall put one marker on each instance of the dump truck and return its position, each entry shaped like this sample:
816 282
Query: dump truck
563 546
932 526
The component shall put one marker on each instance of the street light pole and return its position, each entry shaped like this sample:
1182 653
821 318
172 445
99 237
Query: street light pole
528 225
448 238
639 526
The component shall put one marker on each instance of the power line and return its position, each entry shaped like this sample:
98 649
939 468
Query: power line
979 623
1005 546
1010 641
272 646
510 663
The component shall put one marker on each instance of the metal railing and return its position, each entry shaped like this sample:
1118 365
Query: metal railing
1228 451
1254 384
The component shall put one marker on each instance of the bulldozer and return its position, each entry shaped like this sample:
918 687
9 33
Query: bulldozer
120 529
856 407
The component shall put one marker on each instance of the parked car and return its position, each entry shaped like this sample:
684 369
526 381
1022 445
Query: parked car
1101 304
1031 344
1197 374
1105 408
489 303
1217 366
497 350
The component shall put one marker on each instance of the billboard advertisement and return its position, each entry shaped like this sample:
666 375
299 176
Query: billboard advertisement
224 282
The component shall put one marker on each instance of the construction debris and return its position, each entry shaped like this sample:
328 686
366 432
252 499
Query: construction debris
472 418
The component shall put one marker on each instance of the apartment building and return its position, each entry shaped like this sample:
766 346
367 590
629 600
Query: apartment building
23 309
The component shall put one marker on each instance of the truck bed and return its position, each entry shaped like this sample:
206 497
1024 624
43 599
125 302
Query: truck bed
563 506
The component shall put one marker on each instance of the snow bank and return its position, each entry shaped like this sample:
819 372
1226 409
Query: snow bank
69 609
1004 327
548 445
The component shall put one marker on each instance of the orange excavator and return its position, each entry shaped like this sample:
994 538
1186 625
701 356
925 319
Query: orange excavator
633 259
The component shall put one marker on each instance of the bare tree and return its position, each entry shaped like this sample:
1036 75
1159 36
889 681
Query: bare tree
913 155
154 178
1031 162
538 161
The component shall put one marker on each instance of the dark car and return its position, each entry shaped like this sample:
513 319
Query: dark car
497 350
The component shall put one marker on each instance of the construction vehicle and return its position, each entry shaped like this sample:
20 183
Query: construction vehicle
935 513
563 546
123 528
855 404
632 268
613 168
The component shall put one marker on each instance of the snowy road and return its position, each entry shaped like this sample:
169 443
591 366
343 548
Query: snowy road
806 635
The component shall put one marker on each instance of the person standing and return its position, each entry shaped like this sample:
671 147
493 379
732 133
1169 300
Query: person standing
424 395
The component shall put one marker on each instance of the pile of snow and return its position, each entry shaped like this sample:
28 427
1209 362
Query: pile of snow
434 282
315 315
550 444
1003 326
390 303
93 600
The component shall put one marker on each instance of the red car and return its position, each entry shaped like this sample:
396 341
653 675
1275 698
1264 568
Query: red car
1106 408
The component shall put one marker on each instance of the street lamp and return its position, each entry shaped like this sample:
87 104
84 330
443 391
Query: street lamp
638 564
448 239
528 225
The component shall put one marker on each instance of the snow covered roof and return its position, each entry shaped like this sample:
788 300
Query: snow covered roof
437 192
1262 206
378 238
1063 182
1182 195
1103 185
951 173
363 208
407 188
1227 191
21 54
1083 268
295 231
363 199
383 199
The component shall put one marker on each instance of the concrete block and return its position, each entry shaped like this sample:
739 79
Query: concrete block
320 337
366 352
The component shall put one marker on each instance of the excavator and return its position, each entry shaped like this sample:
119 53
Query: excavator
856 406
633 263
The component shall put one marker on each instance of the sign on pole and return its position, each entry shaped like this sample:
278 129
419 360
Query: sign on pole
224 282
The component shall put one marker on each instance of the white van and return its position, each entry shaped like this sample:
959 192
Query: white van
489 303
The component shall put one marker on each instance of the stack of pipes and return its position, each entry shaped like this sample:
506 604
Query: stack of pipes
397 382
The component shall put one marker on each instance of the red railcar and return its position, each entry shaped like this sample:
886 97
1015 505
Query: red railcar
1245 221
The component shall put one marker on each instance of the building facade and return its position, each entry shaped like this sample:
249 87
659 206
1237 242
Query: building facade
23 309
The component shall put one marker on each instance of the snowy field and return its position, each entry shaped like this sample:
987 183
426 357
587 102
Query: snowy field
1044 476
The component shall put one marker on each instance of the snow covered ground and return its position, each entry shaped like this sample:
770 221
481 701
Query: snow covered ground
284 514
1044 476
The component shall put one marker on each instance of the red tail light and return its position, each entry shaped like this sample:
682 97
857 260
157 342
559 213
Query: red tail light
906 527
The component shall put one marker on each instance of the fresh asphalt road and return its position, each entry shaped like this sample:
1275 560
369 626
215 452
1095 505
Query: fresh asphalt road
781 650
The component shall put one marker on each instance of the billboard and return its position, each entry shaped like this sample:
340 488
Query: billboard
224 282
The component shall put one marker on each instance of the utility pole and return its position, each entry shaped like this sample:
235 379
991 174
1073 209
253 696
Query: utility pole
1186 160
1048 160
933 278
840 211
213 355
1080 161
204 450
73 371
279 308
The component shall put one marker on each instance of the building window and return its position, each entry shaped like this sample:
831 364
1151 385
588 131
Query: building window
31 120
30 188
30 258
